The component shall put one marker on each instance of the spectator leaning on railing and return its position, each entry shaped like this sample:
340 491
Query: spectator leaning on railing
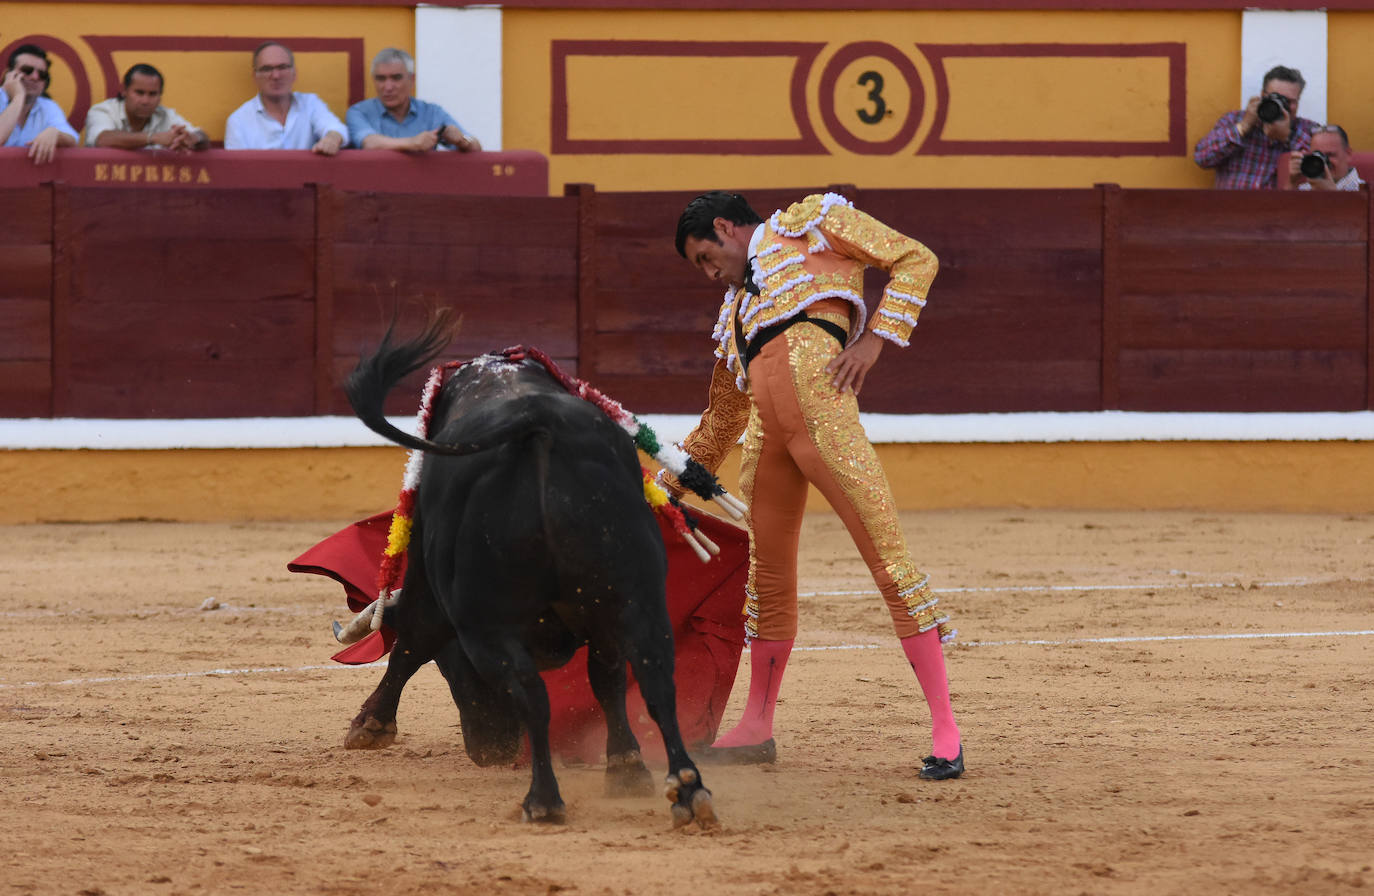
278 117
1328 166
395 119
28 117
136 119
1245 145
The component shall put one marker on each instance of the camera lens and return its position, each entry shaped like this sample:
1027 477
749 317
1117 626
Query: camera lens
1272 107
1313 165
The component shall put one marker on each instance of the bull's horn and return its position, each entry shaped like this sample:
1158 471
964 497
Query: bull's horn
357 627
367 619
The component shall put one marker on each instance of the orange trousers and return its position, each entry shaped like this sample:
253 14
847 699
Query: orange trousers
802 429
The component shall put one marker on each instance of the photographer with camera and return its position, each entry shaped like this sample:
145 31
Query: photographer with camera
1327 166
1245 146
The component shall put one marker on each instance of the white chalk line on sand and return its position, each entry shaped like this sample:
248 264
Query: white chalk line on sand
1038 642
1142 586
151 612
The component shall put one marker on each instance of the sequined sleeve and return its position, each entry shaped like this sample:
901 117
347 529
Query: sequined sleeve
910 266
722 423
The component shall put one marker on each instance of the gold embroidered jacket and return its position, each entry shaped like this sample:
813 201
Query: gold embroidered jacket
816 249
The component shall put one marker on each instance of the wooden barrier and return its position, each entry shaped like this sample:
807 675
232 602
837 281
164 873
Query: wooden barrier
210 302
515 173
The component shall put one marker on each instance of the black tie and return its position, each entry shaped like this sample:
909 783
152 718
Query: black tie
749 284
753 289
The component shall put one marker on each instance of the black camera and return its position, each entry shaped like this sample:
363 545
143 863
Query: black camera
1314 165
1272 107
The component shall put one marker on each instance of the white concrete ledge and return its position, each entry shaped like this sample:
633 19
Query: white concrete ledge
343 432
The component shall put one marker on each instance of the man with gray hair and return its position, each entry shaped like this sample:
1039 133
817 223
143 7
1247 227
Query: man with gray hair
396 119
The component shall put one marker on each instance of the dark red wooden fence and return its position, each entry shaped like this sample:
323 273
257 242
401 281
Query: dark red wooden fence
206 302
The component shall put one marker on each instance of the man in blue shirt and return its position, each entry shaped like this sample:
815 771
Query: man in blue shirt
396 119
27 116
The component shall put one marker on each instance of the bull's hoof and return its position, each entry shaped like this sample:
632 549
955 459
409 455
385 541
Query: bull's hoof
370 735
537 812
627 775
691 800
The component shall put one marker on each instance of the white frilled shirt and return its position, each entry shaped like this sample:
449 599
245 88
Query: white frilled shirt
252 127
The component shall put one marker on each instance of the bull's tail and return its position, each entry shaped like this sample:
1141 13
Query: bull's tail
377 374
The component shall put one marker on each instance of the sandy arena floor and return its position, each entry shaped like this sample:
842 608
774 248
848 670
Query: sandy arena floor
1151 703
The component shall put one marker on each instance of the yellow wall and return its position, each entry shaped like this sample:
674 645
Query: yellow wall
1030 99
349 483
1350 74
205 85
653 97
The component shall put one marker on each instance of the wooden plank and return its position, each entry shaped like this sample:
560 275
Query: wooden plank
181 269
214 216
26 271
588 298
323 342
25 388
122 336
28 217
906 383
1002 219
1111 295
1204 218
205 387
1248 322
1369 301
1022 331
1228 380
448 220
1240 268
63 314
26 334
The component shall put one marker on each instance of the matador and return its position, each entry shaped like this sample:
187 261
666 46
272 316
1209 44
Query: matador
793 344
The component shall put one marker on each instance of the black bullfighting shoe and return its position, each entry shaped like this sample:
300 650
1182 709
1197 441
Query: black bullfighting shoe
749 754
937 769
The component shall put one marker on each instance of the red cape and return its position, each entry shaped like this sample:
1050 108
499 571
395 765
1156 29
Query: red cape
705 606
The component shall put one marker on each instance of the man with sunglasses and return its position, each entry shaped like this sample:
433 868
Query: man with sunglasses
278 117
136 119
28 117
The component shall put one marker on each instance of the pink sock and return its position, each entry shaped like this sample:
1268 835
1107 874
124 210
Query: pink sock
767 660
927 659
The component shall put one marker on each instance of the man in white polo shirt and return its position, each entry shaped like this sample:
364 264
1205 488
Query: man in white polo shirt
279 118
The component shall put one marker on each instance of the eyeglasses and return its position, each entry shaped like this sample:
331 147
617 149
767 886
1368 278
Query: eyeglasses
30 70
273 69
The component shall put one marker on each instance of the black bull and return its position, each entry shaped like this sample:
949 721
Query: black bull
531 538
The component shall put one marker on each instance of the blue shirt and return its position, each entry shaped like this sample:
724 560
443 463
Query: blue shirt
44 114
370 117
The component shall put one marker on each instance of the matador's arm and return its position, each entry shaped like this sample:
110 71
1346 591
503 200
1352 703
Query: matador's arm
909 264
722 423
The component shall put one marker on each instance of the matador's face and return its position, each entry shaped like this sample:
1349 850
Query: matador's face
722 259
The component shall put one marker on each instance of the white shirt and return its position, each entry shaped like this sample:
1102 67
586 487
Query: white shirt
112 115
252 127
1350 182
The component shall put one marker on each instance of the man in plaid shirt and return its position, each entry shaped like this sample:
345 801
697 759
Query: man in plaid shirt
1245 150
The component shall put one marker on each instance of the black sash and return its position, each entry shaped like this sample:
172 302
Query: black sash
772 331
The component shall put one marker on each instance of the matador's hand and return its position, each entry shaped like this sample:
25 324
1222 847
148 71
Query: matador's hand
852 365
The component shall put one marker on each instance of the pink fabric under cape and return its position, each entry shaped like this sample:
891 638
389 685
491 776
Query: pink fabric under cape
705 606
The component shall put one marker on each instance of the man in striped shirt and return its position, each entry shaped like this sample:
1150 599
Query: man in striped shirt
1245 146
